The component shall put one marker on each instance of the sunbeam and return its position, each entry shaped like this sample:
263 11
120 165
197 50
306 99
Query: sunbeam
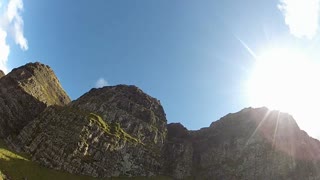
275 131
286 79
258 127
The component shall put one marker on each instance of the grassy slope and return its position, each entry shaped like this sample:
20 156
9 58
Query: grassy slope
18 166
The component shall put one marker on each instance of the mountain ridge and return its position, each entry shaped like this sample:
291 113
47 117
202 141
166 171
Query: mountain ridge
121 131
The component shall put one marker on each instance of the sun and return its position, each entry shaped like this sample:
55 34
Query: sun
287 80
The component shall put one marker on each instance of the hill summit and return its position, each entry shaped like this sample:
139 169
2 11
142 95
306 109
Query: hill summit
24 93
121 131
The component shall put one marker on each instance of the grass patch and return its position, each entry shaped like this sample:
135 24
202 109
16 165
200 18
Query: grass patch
112 129
19 166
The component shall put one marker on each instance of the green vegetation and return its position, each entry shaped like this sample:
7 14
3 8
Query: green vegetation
100 121
19 166
113 129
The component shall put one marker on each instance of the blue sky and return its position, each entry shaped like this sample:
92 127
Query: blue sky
191 55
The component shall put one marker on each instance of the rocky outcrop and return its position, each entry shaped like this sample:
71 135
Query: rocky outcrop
107 132
137 112
24 93
250 144
39 81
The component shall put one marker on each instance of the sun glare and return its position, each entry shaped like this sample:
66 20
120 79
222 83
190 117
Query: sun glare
287 80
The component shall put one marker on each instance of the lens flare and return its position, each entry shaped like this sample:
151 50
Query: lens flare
287 80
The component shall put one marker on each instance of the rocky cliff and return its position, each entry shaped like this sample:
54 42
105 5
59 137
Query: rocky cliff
122 131
24 93
107 132
251 144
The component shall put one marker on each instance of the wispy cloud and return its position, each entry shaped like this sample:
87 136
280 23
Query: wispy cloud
11 26
4 51
101 82
301 16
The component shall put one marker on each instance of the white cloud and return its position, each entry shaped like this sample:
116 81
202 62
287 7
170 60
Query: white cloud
11 25
101 83
4 51
302 16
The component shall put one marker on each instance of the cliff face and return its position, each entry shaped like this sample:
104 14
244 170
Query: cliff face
121 131
178 152
137 112
250 144
107 132
26 92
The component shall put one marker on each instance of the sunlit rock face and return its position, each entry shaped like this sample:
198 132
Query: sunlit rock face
24 93
111 131
122 131
250 144
137 112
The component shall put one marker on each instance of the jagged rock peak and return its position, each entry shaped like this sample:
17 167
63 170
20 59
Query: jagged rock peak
137 112
110 131
123 97
24 93
130 92
40 81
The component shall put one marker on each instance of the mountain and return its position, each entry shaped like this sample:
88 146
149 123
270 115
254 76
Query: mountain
250 144
121 131
24 93
107 132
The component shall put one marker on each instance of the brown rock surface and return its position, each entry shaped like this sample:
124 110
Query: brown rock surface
111 131
24 93
137 112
